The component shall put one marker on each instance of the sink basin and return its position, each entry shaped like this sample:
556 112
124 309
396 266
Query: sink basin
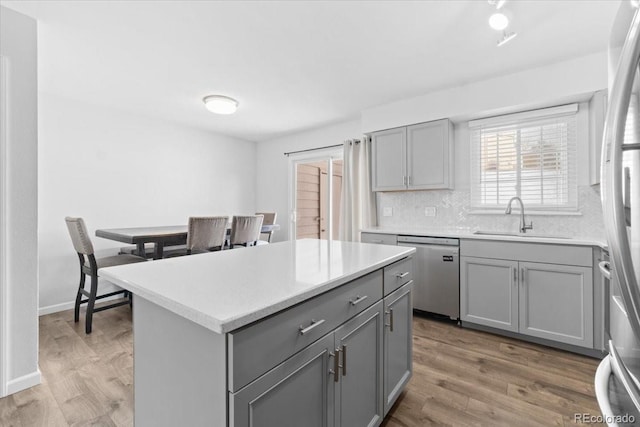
515 234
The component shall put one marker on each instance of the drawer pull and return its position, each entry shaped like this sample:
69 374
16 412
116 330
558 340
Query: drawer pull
402 275
309 328
377 241
358 300
344 360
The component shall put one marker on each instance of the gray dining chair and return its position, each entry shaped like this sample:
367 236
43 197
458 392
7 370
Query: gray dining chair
269 219
245 230
204 234
90 266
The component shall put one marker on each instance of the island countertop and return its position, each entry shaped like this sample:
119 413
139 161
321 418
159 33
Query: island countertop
226 290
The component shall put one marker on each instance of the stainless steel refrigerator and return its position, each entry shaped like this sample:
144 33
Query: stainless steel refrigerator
617 379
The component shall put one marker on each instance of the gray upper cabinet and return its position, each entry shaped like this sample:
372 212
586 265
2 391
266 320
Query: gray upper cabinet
389 160
417 157
429 155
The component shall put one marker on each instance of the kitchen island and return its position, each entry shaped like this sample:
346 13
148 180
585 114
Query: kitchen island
307 332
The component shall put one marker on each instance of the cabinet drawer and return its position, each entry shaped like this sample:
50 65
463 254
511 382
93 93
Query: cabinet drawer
255 349
534 252
397 274
383 239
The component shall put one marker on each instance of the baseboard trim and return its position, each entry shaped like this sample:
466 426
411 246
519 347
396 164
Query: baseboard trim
24 382
55 308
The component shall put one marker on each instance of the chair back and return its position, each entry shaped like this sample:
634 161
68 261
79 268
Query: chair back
79 235
246 229
207 232
269 219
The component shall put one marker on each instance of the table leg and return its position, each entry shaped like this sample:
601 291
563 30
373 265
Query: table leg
140 249
158 250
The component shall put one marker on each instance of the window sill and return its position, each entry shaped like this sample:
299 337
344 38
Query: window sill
527 212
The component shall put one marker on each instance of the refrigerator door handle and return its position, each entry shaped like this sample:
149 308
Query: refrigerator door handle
612 185
602 388
621 372
605 269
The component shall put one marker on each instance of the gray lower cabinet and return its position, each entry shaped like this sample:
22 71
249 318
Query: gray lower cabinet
556 302
359 346
298 392
398 366
337 381
539 299
489 292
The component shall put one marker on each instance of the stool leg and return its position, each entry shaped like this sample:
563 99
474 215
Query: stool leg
91 303
76 314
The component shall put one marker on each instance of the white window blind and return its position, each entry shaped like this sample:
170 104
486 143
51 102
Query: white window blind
532 156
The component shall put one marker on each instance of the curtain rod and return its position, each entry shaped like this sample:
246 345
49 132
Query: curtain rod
357 141
314 149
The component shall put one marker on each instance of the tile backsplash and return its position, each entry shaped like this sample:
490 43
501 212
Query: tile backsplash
453 211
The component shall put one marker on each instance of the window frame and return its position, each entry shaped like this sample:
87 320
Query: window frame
565 114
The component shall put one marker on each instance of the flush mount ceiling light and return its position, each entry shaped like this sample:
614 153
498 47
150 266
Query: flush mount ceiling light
220 104
506 37
498 21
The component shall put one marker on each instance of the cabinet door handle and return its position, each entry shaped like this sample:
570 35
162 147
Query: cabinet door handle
515 276
390 324
358 300
523 270
409 180
402 275
344 360
336 365
404 180
309 328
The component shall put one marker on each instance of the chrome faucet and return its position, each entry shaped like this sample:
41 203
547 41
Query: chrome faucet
523 226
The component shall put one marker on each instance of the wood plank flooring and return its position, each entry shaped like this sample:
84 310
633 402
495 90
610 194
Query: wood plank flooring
461 378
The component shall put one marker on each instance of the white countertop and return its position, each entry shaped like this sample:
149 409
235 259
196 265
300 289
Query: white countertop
463 233
226 290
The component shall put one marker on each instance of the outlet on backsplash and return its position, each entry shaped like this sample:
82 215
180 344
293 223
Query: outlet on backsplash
387 211
430 211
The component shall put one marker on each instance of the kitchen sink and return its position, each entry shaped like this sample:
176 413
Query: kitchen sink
516 234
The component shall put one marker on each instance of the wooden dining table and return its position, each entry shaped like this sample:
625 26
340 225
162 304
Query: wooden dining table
160 236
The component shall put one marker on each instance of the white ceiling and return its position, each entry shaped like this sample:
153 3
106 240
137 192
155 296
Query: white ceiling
292 65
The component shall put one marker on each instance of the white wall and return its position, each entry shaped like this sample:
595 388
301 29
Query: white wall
116 169
272 193
538 87
18 45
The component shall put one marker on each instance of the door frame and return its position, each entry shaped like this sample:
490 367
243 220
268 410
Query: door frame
4 86
323 154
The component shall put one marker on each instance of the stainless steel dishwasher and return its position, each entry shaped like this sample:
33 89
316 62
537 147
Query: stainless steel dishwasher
436 282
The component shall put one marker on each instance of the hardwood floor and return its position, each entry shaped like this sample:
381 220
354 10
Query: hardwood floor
461 377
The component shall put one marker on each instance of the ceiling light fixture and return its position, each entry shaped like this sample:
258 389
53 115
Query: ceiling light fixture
220 104
506 37
498 21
